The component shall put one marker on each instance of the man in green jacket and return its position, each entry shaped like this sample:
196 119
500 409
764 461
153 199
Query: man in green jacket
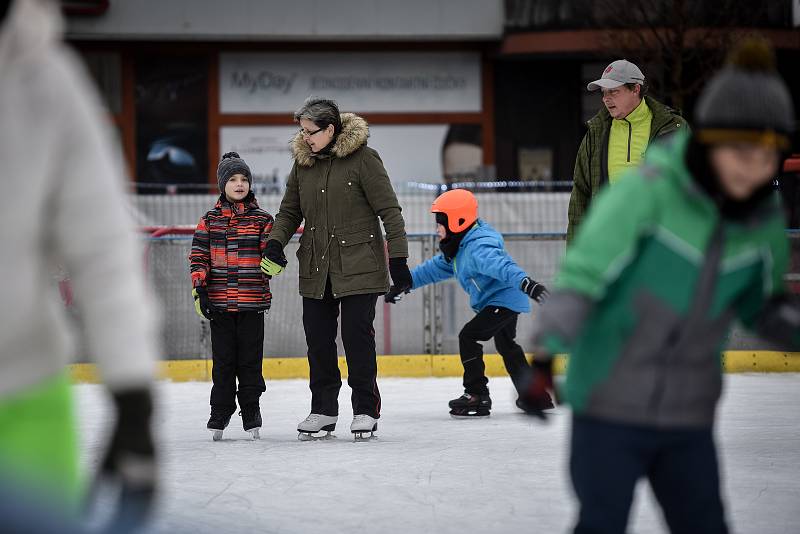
665 261
617 136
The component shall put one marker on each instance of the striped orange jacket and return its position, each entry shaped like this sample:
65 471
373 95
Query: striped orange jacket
226 253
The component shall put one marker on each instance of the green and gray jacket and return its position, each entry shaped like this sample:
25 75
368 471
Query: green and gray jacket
591 164
648 291
341 196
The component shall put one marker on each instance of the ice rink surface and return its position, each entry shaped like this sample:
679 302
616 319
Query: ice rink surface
429 473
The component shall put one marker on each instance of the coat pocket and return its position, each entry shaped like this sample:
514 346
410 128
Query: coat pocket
305 258
357 251
219 256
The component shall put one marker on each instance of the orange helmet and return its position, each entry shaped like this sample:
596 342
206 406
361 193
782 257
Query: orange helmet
460 206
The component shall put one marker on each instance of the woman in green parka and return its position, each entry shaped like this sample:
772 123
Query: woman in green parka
339 188
665 262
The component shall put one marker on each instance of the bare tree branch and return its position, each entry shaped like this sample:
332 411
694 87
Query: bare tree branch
686 37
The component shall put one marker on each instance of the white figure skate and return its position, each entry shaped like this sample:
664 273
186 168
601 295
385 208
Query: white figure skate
312 427
363 425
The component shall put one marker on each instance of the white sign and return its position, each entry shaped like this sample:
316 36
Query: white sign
266 151
358 81
796 12
409 153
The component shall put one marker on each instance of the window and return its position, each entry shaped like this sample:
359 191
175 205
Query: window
171 119
106 69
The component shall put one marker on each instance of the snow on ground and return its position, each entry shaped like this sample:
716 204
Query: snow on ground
428 473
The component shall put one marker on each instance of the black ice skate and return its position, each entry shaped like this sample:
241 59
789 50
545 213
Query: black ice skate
362 425
251 419
313 426
470 405
526 406
217 423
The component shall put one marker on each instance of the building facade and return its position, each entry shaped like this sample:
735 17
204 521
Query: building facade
454 90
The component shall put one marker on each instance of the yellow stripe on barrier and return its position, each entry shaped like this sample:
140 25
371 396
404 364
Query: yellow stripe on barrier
755 361
83 373
426 365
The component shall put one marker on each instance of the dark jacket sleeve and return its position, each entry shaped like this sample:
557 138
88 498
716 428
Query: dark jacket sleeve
779 322
265 233
290 215
581 189
200 254
767 308
381 197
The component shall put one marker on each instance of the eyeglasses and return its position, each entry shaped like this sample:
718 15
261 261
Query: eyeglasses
306 133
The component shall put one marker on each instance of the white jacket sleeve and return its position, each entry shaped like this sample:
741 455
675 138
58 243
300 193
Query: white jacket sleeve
93 234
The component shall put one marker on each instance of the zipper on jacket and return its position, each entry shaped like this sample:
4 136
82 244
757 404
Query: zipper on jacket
314 247
703 298
325 202
630 134
328 245
455 272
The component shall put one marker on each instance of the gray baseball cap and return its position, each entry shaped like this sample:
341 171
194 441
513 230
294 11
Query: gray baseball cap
616 74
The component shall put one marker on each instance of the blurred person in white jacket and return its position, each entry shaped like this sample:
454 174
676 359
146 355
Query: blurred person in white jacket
62 177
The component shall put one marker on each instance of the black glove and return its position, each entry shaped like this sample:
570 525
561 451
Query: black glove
201 303
780 321
395 295
130 461
401 276
274 252
535 397
534 290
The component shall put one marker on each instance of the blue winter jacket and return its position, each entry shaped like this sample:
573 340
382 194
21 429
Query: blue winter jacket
483 268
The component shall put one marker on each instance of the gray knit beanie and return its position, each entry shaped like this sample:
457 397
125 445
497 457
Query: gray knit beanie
230 164
747 100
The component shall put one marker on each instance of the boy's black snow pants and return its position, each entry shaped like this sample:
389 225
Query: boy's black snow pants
491 322
237 348
358 337
607 460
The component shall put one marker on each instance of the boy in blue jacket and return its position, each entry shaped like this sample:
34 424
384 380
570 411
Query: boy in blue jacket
473 252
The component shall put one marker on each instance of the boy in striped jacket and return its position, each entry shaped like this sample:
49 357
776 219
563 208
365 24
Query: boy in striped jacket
230 291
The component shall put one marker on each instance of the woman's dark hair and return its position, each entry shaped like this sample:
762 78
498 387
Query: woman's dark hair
322 112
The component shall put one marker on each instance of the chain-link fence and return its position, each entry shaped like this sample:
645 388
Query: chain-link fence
537 210
532 221
426 321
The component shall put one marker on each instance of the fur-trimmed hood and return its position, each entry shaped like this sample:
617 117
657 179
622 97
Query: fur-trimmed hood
353 136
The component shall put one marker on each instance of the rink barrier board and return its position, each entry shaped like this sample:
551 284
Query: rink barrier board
427 365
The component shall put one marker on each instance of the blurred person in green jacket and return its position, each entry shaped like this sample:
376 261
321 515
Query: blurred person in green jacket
666 260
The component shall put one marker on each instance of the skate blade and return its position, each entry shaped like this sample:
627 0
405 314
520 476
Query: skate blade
254 433
470 416
367 435
216 435
307 436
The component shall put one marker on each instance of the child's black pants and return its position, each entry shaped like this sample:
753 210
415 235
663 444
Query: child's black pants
491 322
237 348
607 459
